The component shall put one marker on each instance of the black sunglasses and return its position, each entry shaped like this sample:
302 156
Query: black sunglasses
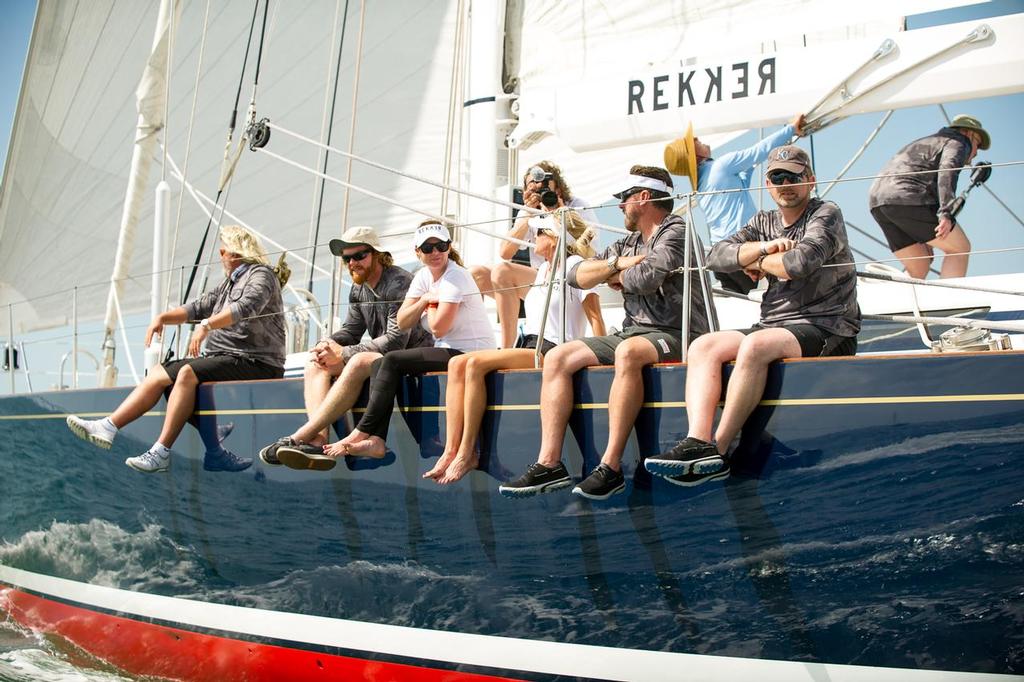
358 255
778 177
440 246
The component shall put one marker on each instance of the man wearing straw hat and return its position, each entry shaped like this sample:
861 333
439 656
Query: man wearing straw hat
730 175
809 310
339 365
912 197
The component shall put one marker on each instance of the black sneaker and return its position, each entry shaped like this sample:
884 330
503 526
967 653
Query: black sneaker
225 460
682 457
602 483
268 455
691 479
305 456
537 479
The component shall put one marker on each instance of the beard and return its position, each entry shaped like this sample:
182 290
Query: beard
360 277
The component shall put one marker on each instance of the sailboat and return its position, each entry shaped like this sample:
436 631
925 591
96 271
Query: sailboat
870 529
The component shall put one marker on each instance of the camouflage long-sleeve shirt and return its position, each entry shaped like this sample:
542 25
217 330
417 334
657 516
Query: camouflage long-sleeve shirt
257 332
652 294
814 294
377 314
946 149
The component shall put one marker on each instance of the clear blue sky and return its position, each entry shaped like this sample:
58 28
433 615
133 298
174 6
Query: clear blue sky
15 28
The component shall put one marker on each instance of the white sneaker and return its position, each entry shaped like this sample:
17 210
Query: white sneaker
91 430
149 462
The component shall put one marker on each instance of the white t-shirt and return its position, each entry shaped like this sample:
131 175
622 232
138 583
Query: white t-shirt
531 232
471 329
576 319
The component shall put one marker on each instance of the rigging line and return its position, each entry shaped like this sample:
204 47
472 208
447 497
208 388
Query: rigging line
188 143
355 99
988 189
388 200
124 335
259 52
937 283
454 95
419 178
200 198
318 185
227 151
167 84
860 152
326 154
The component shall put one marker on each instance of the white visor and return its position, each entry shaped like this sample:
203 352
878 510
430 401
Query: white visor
634 181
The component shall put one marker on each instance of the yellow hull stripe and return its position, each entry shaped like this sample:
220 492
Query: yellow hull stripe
792 402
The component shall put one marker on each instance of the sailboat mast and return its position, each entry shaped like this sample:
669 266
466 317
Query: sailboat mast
151 95
483 95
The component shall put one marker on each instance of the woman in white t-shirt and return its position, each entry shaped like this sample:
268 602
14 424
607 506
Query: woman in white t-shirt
445 299
466 396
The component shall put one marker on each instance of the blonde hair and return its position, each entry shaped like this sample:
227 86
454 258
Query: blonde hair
246 245
240 241
583 234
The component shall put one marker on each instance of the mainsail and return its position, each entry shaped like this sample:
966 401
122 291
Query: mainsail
63 194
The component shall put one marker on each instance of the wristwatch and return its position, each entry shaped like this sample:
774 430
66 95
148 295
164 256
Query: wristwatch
205 323
613 263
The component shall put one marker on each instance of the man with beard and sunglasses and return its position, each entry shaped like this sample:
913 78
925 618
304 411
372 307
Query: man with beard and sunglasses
809 310
339 366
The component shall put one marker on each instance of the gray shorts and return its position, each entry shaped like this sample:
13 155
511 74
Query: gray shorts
667 343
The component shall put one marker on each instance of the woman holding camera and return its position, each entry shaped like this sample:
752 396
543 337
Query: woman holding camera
466 395
508 282
444 297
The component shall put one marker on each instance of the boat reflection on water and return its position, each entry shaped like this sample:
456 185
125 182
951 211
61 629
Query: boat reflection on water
875 530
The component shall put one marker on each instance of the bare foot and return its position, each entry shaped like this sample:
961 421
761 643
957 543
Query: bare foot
459 468
354 437
338 449
372 446
442 464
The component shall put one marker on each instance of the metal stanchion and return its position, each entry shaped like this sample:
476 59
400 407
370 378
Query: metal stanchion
74 339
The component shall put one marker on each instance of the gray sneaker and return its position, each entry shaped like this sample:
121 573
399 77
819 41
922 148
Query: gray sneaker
91 430
268 455
149 462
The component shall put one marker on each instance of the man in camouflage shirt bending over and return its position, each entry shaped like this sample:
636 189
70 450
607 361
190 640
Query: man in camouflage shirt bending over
809 310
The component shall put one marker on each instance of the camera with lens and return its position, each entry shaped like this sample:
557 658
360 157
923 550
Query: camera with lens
548 197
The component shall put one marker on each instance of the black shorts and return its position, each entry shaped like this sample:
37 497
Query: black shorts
224 368
905 226
814 341
530 342
667 343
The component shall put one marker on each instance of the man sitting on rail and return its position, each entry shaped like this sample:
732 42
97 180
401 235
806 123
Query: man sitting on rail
643 266
242 325
378 289
809 310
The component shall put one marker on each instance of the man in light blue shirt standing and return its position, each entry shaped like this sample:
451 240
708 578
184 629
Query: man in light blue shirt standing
726 211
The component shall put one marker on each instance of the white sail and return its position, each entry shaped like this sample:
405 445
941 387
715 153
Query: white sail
68 167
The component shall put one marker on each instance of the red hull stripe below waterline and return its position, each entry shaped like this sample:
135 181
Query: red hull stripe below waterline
144 648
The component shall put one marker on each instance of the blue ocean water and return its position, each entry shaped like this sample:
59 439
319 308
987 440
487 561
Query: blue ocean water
902 552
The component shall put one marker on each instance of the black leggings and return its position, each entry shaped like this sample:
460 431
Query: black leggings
385 375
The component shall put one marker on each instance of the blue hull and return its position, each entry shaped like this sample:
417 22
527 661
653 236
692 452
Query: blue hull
875 517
